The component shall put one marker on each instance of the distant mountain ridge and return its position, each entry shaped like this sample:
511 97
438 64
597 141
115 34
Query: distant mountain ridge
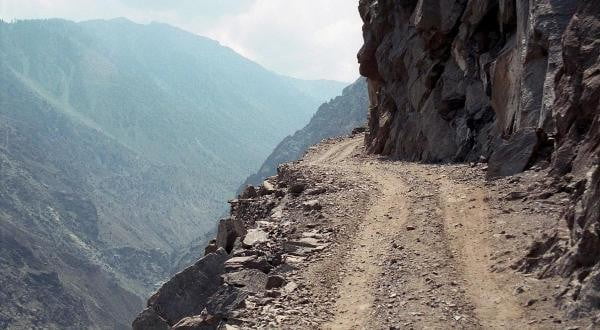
119 143
334 118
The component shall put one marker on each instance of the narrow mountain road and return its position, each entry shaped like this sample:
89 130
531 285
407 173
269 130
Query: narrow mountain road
413 246
421 256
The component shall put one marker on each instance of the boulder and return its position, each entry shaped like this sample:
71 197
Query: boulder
255 236
229 230
186 294
267 188
251 280
514 155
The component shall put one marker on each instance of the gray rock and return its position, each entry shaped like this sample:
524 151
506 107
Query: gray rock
186 294
514 155
251 280
255 236
229 230
274 281
267 188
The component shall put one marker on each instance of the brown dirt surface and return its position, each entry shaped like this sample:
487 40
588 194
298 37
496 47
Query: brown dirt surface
414 246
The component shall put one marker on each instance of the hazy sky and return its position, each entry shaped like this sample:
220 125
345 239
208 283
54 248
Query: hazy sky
302 38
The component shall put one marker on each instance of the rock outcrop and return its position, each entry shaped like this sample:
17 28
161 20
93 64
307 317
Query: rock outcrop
515 82
252 247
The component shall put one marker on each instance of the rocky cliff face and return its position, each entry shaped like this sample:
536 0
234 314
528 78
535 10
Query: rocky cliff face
513 81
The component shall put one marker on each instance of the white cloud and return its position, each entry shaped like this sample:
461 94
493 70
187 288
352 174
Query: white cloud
306 39
302 38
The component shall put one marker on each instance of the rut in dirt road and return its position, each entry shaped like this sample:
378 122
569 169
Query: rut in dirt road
384 220
429 224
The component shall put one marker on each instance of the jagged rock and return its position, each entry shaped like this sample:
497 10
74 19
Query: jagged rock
251 280
229 230
255 236
186 294
467 74
513 156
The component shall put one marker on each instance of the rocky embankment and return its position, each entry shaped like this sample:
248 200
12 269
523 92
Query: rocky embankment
271 230
342 239
516 82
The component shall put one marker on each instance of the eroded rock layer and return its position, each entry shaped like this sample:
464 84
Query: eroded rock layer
515 82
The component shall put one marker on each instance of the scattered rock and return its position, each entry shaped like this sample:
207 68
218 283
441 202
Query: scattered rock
255 236
290 287
312 205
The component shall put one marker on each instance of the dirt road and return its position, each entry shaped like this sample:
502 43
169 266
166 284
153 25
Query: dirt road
420 246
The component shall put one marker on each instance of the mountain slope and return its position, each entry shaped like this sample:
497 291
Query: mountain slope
51 219
120 143
334 118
